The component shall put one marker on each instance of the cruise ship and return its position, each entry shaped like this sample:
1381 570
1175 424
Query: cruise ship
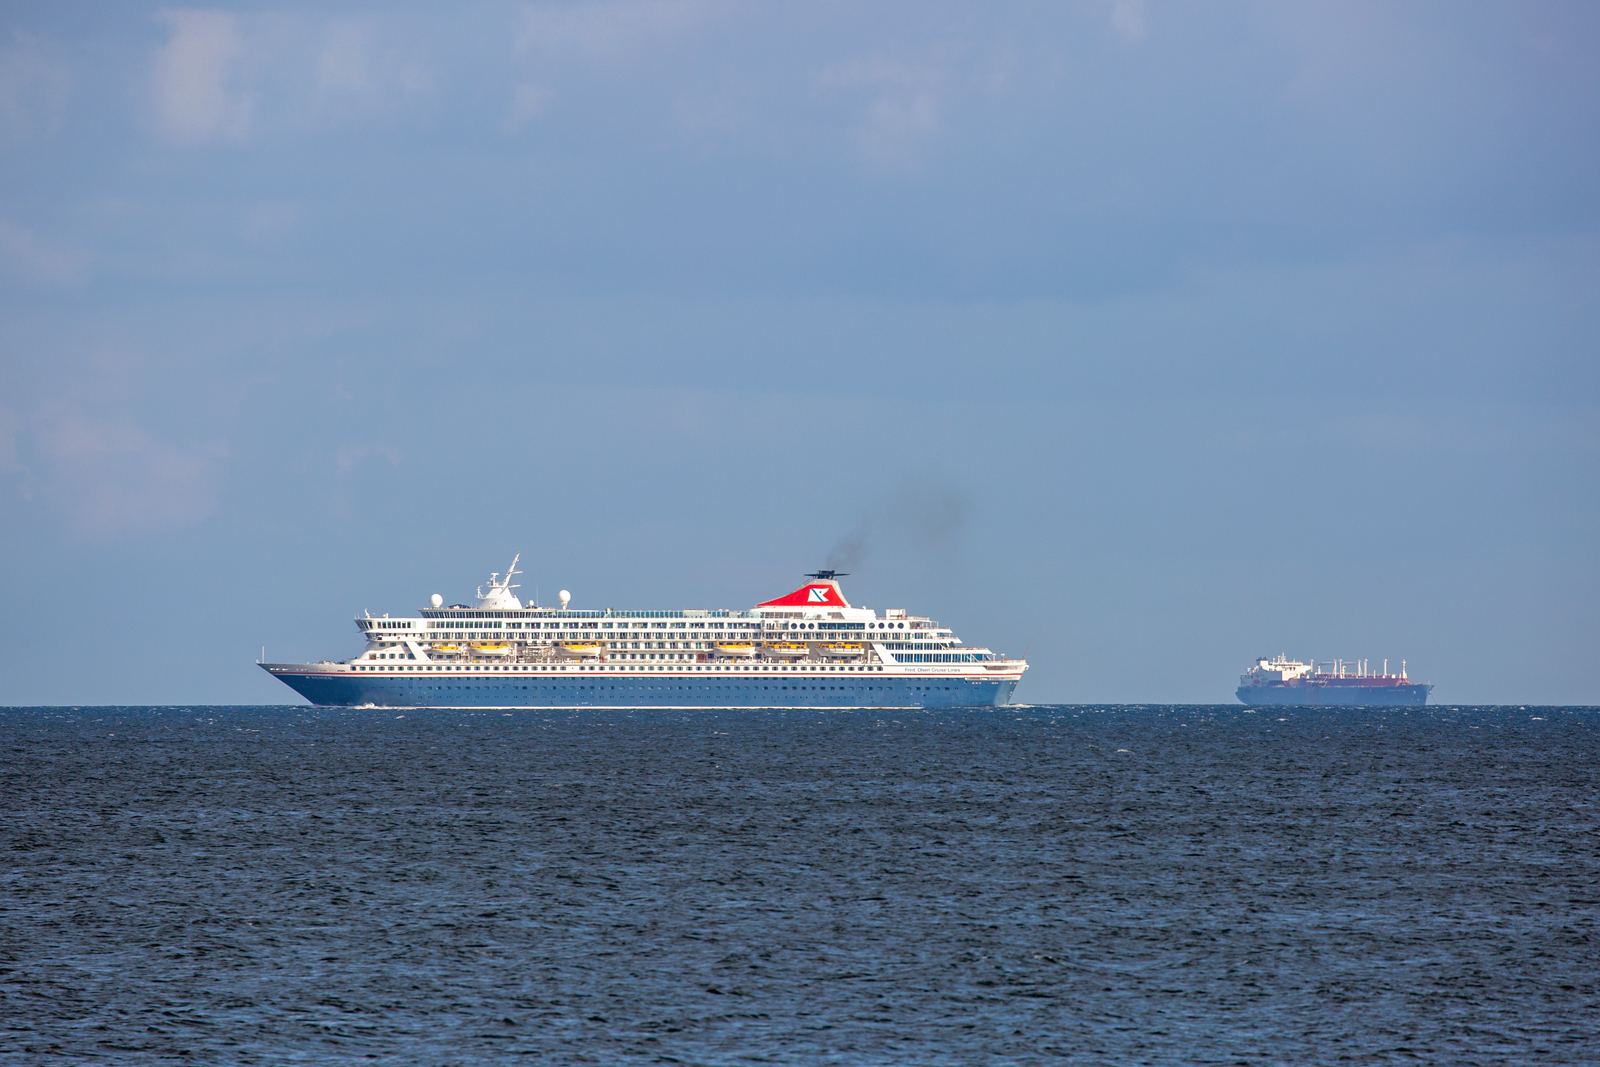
808 648
1288 681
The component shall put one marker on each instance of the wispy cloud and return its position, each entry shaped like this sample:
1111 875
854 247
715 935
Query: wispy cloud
221 77
343 66
10 461
528 101
26 257
905 106
271 223
598 31
607 29
113 477
358 69
350 456
196 79
1130 19
33 88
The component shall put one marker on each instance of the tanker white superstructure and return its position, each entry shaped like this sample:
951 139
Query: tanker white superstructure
810 648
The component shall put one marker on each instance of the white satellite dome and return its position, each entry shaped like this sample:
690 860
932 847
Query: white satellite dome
436 600
565 597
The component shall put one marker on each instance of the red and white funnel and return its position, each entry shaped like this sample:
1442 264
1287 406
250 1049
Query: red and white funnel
818 593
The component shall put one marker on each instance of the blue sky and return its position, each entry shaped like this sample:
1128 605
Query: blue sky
1145 337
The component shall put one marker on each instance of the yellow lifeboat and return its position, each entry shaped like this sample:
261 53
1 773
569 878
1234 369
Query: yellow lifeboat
446 650
786 648
487 649
581 649
841 650
736 649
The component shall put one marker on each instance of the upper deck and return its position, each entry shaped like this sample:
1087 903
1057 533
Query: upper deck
813 624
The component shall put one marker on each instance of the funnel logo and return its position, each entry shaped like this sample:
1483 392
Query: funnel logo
827 593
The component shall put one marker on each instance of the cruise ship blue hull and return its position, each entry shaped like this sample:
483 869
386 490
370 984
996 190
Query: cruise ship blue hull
344 690
1345 696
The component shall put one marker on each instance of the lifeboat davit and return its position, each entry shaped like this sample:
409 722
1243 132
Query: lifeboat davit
841 650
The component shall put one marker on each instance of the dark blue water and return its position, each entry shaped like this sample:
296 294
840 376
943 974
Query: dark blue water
1044 885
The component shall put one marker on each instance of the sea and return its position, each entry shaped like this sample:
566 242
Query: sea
1020 885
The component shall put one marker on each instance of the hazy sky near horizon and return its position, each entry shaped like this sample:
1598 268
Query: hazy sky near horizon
1145 337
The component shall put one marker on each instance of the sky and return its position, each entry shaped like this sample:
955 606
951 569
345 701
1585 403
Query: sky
1143 338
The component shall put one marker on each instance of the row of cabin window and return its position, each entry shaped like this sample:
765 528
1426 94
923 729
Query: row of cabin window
612 634
475 625
468 624
594 616
617 644
572 635
566 633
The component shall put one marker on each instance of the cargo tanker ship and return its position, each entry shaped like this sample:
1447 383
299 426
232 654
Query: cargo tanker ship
1287 681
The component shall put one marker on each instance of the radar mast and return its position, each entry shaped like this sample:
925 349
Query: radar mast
499 594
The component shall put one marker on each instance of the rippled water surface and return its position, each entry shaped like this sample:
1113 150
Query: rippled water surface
1184 885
